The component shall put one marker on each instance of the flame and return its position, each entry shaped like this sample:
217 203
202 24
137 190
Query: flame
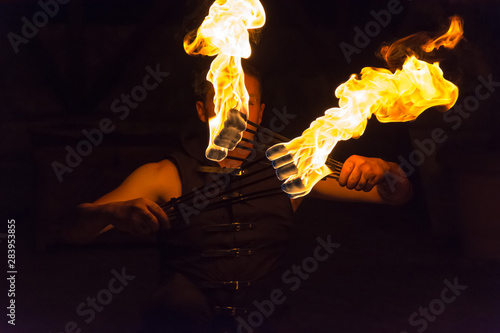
224 34
450 39
391 97
395 54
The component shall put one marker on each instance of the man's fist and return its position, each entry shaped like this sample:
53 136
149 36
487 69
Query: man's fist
363 173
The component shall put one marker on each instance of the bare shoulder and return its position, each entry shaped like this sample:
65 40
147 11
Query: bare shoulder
154 172
163 173
166 175
165 167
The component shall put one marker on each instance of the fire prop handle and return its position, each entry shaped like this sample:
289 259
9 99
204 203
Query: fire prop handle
225 197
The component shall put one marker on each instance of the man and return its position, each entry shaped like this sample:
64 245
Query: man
217 261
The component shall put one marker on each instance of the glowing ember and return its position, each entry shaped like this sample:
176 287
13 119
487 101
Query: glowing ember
224 33
392 97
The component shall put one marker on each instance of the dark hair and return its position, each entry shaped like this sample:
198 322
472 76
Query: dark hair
202 86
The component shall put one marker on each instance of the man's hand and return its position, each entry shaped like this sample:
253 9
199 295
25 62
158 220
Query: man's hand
363 173
138 217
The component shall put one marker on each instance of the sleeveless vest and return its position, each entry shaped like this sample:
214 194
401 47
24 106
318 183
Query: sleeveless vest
233 246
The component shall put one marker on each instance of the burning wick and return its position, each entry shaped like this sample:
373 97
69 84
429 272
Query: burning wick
230 135
392 97
225 34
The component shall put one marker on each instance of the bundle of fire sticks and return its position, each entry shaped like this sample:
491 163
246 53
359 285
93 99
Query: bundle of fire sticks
176 206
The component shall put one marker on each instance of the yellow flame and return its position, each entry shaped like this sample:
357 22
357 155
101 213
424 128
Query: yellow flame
224 33
391 97
449 39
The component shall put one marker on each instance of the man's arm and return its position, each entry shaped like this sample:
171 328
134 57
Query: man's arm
364 179
130 207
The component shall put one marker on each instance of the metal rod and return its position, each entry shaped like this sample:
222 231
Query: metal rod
246 197
190 195
278 136
277 140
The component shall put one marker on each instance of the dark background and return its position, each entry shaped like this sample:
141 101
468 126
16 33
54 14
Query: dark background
392 260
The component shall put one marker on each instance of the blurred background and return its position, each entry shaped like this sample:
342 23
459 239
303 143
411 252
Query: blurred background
63 76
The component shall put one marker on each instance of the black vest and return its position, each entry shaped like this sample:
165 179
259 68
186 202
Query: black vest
238 243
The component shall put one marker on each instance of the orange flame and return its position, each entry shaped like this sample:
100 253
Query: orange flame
392 97
224 33
450 39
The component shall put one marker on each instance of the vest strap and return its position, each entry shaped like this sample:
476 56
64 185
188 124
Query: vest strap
230 311
232 171
234 252
231 285
235 226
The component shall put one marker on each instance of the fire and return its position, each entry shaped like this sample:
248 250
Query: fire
450 39
225 34
401 48
391 97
